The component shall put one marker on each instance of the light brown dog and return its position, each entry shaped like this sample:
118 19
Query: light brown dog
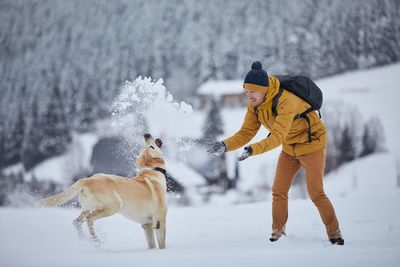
141 198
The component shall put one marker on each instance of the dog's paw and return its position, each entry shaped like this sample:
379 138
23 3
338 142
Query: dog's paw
96 241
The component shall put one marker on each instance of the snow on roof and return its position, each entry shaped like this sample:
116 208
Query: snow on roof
184 174
61 167
218 88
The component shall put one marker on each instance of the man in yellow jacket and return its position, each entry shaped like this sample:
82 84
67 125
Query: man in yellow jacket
297 150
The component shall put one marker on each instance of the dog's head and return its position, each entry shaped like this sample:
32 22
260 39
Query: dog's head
151 155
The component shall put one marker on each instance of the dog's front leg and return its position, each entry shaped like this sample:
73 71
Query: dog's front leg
148 230
159 227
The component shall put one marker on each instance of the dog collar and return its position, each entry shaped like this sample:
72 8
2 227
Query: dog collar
163 171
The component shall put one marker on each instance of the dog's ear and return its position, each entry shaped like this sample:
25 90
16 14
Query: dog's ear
158 142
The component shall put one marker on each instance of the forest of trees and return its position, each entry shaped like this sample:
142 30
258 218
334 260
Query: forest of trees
62 62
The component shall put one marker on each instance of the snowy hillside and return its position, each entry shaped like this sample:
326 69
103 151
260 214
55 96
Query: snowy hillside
374 92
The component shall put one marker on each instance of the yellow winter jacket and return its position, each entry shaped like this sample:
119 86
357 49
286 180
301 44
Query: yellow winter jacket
292 134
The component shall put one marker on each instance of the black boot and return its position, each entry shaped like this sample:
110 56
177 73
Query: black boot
337 241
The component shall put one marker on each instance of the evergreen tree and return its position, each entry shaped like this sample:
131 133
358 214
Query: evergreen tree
8 185
372 139
213 126
346 147
88 111
34 136
14 139
2 143
368 143
56 134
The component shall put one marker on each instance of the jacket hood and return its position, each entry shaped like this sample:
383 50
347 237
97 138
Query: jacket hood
273 89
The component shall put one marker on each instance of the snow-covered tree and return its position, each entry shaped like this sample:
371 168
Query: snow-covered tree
2 145
213 128
346 147
213 125
14 139
88 111
56 134
33 137
373 137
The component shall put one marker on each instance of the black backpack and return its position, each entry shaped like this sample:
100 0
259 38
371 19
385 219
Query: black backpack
306 89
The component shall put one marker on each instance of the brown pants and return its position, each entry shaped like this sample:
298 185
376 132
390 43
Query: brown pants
287 167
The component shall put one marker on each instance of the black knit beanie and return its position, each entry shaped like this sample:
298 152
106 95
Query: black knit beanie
256 79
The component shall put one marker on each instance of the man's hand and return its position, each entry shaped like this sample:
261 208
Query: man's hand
216 148
247 151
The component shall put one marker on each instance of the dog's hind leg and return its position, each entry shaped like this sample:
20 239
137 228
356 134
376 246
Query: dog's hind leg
79 221
97 214
148 230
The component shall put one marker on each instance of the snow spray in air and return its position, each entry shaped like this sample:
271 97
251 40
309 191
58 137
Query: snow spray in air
144 105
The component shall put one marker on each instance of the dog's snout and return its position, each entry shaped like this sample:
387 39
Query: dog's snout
147 136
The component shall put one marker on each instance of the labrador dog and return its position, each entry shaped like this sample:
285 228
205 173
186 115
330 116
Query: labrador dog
141 198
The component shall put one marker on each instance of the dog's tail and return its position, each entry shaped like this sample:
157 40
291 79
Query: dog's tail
62 197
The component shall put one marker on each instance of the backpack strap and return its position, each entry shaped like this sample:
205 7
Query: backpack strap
298 116
305 116
275 101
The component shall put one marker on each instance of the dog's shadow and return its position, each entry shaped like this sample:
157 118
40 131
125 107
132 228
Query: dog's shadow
103 250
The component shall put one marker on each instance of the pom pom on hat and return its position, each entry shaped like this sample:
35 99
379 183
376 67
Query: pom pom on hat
256 65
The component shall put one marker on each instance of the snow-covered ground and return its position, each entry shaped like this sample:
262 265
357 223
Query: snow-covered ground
365 194
223 235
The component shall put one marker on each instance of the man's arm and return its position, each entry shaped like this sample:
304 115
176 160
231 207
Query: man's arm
279 129
249 129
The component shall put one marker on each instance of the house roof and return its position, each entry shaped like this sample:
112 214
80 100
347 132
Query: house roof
185 175
219 88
